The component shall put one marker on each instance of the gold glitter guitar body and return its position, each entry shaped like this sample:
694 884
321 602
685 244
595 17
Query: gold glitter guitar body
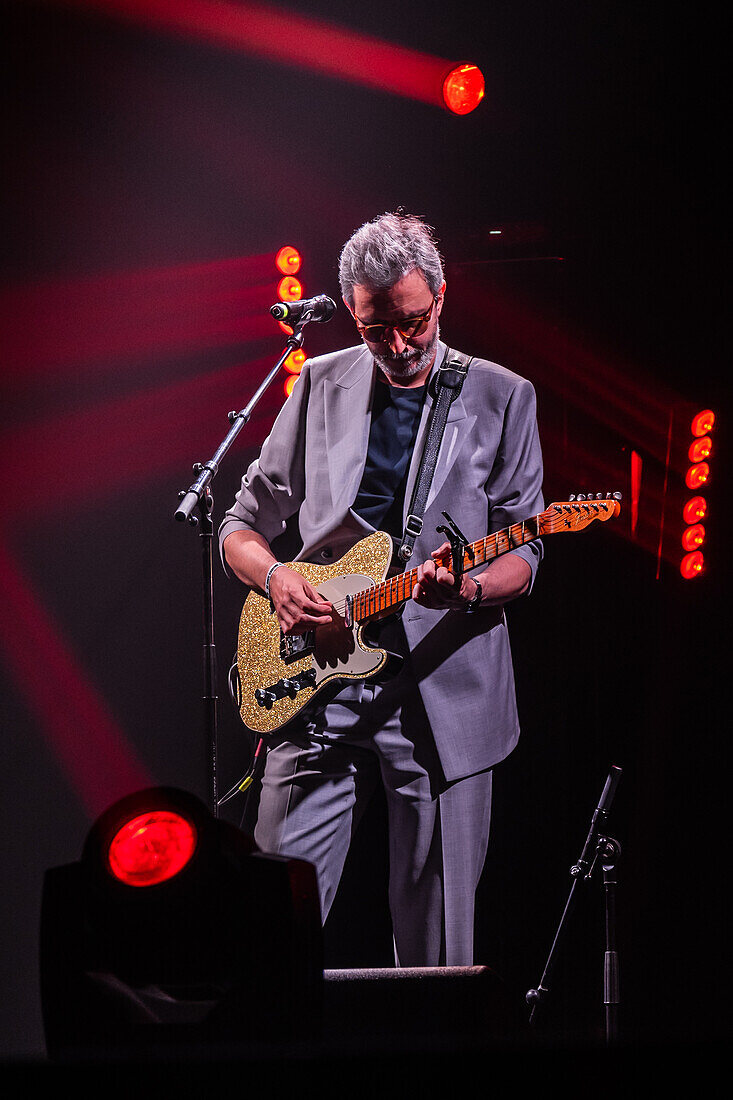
279 675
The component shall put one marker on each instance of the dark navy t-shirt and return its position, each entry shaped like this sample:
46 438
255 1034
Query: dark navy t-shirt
395 420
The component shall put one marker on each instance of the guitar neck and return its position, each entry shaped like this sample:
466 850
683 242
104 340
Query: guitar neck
390 594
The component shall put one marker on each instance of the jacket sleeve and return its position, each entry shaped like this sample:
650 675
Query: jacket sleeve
273 487
514 487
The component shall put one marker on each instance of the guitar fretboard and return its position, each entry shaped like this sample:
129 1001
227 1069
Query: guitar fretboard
388 595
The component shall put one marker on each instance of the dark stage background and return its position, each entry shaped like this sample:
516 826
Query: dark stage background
149 180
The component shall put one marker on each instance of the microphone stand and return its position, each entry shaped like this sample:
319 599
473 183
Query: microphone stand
196 507
597 846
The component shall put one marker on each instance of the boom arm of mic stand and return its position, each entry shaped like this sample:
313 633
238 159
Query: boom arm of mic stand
207 471
196 506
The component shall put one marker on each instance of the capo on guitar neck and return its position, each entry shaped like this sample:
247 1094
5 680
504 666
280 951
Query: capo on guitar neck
459 544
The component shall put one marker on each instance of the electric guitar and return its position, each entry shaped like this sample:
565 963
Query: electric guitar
279 674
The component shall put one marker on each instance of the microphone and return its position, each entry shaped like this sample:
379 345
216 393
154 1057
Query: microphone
320 308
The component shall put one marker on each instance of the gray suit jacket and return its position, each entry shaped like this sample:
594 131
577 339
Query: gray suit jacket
488 475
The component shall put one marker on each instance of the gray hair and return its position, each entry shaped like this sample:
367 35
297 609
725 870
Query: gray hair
383 251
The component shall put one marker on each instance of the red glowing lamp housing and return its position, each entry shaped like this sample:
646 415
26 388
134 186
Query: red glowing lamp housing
693 537
463 89
692 565
697 475
289 289
151 848
695 510
703 422
287 260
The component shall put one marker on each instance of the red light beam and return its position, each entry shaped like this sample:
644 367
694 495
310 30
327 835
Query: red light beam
89 745
57 325
290 39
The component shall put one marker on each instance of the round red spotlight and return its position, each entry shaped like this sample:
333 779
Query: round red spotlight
463 89
289 383
289 289
693 537
288 260
703 422
294 362
695 510
700 449
692 564
697 475
151 848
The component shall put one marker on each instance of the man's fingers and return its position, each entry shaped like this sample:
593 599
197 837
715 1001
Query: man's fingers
315 600
441 550
317 606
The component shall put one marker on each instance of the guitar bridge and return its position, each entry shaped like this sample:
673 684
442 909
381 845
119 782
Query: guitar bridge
295 646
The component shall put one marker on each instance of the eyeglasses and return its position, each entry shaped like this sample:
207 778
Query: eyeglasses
408 327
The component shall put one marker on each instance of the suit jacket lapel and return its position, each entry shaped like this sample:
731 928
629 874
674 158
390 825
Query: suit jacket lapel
347 421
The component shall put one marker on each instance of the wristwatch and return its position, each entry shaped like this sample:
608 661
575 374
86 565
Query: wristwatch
475 602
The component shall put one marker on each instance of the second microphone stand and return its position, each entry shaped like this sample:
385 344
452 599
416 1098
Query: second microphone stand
597 847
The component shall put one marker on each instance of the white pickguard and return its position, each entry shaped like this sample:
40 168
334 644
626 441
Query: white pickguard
362 661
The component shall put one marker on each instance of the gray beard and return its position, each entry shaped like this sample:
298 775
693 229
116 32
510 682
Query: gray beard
405 366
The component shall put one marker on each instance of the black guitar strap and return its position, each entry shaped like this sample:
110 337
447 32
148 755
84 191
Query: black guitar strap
449 380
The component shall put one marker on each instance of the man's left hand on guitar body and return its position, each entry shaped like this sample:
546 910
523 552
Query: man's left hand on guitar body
436 588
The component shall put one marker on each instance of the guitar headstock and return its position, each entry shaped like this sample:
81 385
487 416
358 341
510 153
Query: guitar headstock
578 511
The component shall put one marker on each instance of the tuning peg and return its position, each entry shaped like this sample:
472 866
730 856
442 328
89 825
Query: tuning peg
572 496
617 496
580 496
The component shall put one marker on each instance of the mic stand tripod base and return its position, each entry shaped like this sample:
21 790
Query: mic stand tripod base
608 851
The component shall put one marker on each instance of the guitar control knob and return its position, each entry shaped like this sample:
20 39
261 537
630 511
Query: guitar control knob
307 677
265 698
290 687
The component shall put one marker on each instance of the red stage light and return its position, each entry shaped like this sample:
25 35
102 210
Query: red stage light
151 848
693 537
289 383
700 449
463 89
289 289
294 362
695 509
691 565
697 475
288 260
703 422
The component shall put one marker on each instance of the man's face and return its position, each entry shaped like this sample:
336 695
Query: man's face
405 359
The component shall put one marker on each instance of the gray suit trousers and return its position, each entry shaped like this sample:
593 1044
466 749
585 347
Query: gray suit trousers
317 784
